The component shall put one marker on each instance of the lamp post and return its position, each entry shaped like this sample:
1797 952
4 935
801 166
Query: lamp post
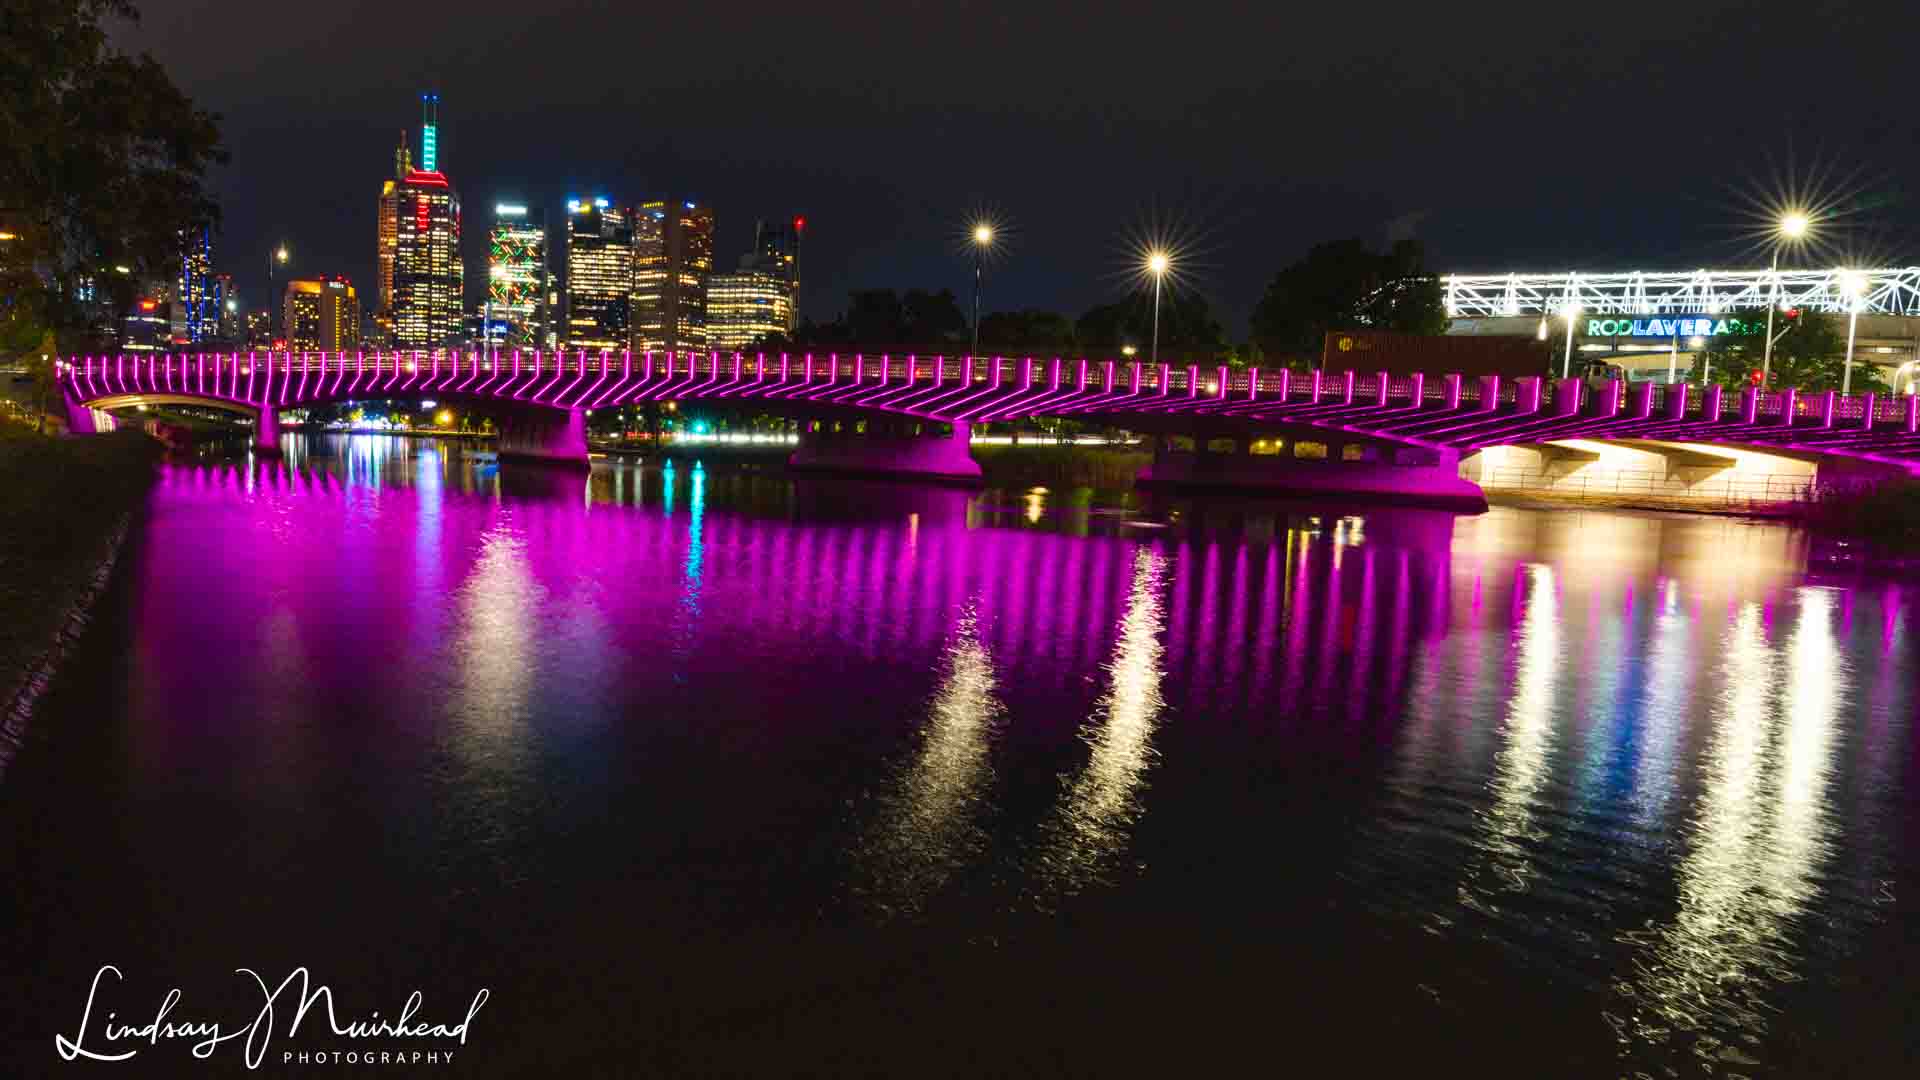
1854 284
278 255
1158 263
982 240
1566 364
1791 228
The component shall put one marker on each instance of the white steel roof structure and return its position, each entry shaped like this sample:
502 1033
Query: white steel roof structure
1696 292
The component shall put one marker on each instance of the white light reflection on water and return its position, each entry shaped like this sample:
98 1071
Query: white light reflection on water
1521 766
1090 829
494 653
928 827
1758 840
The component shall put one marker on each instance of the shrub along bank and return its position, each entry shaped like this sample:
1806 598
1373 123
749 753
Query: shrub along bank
60 501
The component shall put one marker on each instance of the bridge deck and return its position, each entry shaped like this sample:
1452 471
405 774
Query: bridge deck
1440 410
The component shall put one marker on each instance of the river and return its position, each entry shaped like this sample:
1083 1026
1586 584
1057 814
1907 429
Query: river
702 769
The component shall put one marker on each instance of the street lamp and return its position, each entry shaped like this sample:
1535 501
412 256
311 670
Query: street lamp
1158 263
1791 230
1566 364
982 240
278 255
1854 284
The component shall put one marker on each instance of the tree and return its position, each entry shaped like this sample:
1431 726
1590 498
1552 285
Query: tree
1342 285
1185 322
1809 355
1027 329
885 317
102 166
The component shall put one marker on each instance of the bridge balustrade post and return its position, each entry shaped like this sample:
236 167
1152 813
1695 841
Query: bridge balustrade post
1193 380
1643 401
1253 384
1346 388
1133 377
1676 401
1080 375
1026 374
1225 381
1380 389
1319 380
1750 405
1452 382
1789 403
1526 394
1489 393
1107 377
1166 379
1711 404
1053 374
1913 414
1566 397
1827 401
1868 406
1417 390
1610 400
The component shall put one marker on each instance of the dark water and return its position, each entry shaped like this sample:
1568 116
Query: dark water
713 771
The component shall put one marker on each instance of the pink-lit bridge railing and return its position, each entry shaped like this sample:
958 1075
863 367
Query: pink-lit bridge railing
1446 410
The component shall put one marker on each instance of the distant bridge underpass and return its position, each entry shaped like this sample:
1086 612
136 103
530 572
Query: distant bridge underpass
1370 434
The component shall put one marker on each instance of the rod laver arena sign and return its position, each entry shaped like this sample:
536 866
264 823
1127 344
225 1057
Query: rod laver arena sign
1664 328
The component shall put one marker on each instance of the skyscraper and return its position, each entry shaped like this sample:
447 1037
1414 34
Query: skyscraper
321 315
390 239
428 278
672 258
600 251
517 279
746 306
776 250
228 311
197 299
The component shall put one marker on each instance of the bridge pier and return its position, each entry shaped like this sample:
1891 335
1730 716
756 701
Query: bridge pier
266 432
79 416
544 436
888 448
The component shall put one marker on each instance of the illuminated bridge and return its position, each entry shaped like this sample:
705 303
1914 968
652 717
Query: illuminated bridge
1370 434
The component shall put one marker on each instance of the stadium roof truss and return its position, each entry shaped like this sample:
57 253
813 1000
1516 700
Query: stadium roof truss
1696 292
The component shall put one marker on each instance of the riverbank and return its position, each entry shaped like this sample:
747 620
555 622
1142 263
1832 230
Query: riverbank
1885 516
64 506
1045 465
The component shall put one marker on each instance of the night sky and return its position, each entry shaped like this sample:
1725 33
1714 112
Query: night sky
1505 136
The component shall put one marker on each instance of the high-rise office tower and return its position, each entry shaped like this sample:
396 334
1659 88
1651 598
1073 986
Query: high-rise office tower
390 240
321 315
746 306
516 310
229 330
197 300
776 250
600 250
429 280
672 259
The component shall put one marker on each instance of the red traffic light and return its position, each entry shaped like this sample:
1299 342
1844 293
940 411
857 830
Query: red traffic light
1793 313
1755 376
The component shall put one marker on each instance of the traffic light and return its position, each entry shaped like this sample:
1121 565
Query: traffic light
1754 376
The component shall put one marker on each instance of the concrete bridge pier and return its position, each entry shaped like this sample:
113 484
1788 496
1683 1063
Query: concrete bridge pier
266 432
889 447
544 436
79 416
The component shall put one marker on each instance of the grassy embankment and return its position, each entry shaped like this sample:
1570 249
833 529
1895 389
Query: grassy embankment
1046 465
59 501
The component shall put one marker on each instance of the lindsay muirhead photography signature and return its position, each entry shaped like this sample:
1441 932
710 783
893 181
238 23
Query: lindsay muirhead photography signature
115 1039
